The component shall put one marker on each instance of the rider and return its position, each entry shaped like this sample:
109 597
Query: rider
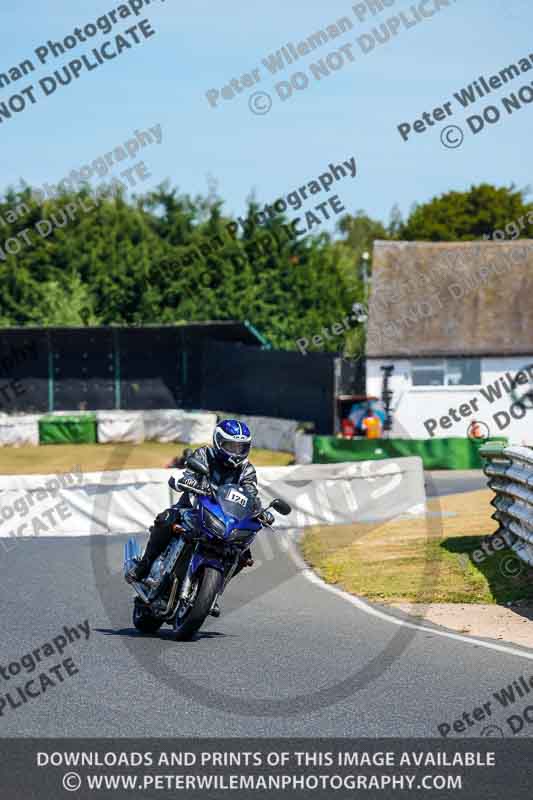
227 461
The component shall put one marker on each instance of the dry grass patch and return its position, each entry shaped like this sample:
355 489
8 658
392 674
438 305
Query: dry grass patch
423 560
57 458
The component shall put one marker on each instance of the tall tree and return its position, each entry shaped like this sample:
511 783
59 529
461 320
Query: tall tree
97 258
463 216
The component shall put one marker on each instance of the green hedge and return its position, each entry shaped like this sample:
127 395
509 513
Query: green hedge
452 453
68 430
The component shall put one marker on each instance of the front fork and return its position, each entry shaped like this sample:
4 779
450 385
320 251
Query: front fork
197 561
231 572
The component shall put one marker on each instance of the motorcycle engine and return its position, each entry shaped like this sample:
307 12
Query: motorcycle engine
165 563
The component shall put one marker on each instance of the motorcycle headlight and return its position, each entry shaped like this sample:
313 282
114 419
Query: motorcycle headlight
213 523
240 535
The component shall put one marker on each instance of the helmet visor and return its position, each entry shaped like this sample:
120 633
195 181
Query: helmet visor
239 449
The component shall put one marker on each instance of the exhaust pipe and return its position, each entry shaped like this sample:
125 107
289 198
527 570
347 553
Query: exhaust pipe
139 589
131 551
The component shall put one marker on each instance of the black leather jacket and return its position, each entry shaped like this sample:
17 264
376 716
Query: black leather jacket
244 475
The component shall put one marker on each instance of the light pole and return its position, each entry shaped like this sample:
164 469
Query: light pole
365 258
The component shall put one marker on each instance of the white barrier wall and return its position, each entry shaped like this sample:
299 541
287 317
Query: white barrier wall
127 502
82 504
120 426
303 448
196 426
337 494
269 433
162 425
19 431
159 425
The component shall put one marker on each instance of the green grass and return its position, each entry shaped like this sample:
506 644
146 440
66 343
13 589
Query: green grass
419 562
55 458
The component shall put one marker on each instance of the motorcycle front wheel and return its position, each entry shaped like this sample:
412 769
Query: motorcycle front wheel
193 610
143 619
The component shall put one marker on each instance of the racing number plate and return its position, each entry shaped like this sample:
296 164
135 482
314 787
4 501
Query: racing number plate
236 497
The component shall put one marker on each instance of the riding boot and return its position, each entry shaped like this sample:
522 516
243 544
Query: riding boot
160 536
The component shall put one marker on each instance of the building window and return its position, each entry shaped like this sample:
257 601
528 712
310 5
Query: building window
428 372
446 372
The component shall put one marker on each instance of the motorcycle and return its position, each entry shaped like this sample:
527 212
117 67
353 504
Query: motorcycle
186 580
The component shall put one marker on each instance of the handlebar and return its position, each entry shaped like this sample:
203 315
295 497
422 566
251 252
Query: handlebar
277 504
184 487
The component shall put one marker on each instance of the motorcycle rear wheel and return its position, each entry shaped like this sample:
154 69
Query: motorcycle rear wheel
192 618
144 620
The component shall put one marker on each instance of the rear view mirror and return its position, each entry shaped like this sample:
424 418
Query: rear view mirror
281 506
197 466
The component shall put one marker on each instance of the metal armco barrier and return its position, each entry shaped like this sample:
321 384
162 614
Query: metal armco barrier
510 474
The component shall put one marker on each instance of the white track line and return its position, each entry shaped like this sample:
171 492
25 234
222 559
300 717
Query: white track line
374 612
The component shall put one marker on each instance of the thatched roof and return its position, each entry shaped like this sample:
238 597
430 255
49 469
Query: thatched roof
464 298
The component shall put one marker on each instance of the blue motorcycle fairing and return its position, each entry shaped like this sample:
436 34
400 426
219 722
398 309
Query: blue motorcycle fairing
199 560
229 521
228 498
248 524
213 507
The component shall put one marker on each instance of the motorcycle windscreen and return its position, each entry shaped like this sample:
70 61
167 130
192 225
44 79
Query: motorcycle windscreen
237 502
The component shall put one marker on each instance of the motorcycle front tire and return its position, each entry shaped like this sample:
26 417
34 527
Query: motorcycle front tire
185 626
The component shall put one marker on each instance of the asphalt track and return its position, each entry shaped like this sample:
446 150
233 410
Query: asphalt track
288 656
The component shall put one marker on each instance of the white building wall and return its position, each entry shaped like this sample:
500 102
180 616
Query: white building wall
413 406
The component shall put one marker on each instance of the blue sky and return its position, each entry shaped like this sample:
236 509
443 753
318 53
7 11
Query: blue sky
353 112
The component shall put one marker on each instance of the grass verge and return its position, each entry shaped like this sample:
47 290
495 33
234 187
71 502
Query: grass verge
54 458
390 562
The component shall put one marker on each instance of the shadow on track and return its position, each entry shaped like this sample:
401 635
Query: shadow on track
133 633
